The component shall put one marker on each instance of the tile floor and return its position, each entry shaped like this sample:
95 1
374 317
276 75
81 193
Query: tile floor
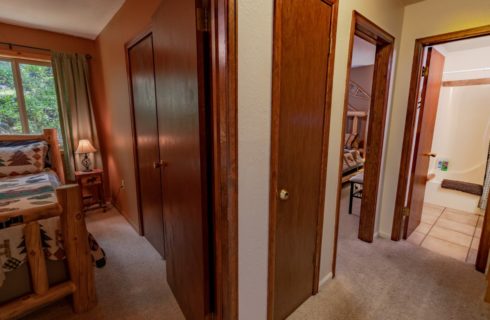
449 232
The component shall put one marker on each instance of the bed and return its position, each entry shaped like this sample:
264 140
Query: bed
354 140
46 252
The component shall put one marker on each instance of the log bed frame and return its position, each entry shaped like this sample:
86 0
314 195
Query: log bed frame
357 118
79 260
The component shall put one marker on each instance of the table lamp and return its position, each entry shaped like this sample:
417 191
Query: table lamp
85 147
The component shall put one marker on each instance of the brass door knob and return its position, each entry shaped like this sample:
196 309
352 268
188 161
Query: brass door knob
284 194
432 155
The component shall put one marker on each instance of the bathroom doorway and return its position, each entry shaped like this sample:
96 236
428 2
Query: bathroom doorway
444 182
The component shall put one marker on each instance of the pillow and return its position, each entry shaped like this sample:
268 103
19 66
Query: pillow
349 159
47 163
23 159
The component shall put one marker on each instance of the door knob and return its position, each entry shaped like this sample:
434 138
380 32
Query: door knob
159 164
284 194
432 155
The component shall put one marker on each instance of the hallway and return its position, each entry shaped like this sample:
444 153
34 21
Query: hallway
395 280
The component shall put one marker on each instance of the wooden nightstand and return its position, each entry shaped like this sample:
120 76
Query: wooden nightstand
91 189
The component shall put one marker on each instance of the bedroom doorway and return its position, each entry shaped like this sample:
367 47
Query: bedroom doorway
366 100
444 180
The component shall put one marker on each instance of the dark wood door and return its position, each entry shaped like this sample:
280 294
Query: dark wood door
301 62
147 141
182 98
425 132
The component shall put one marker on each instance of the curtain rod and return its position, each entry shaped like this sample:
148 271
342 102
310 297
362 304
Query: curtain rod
12 45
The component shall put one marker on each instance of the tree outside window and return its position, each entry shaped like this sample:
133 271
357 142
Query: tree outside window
28 101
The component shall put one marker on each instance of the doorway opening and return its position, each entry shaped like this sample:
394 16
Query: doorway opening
444 178
366 101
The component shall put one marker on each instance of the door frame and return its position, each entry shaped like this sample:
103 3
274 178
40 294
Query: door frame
415 82
224 73
274 161
369 31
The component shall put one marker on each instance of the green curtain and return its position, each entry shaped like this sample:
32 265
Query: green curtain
72 78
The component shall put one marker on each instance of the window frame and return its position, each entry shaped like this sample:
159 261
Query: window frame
19 87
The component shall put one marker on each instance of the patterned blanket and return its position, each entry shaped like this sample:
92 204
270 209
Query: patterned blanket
27 191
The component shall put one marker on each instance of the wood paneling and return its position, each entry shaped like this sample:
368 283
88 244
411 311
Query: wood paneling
147 150
300 118
424 137
464 83
182 81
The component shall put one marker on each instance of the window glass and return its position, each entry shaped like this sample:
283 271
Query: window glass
9 110
40 97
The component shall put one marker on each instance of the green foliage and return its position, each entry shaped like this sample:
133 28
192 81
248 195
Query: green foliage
39 96
9 111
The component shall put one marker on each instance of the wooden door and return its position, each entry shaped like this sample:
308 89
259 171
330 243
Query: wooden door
183 108
424 135
302 42
147 139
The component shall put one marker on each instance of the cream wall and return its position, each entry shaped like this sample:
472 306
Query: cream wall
255 21
254 132
428 18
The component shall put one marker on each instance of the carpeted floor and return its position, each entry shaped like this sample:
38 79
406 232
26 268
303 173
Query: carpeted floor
380 281
394 280
133 283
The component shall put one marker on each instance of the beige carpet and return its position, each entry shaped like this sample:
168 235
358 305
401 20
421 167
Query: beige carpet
395 280
133 283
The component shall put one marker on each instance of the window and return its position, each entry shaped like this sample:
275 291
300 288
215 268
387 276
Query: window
28 101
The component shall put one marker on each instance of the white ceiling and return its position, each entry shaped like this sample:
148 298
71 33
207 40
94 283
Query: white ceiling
463 45
83 18
363 53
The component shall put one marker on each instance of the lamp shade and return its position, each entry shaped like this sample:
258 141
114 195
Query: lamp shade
84 146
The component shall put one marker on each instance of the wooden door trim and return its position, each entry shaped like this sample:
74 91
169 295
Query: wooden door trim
225 160
127 46
420 45
274 160
369 31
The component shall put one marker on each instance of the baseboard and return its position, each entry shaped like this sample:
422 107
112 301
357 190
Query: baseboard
325 279
383 235
126 216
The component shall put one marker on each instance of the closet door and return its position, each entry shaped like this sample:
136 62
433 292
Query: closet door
182 98
146 131
301 43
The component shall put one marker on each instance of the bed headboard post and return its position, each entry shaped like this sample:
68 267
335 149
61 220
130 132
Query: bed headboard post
51 137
